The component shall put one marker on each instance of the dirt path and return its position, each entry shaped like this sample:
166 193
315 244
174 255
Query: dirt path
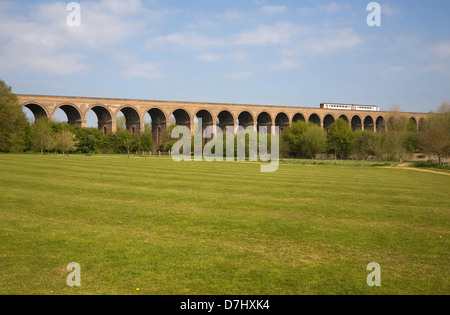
405 166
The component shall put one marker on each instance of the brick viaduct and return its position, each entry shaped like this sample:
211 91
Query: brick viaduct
165 113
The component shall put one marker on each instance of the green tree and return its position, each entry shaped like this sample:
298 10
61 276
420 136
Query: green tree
127 142
434 137
340 139
89 140
65 141
166 141
314 141
147 141
366 144
304 140
394 139
411 137
13 122
42 135
292 137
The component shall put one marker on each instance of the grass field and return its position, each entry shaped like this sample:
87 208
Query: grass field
219 228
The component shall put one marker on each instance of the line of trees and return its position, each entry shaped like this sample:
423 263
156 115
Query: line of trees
400 140
47 136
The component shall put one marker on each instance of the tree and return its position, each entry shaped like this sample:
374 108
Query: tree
434 137
65 141
13 122
340 138
166 141
394 139
89 140
292 137
121 123
147 141
366 143
128 142
42 135
411 137
303 139
314 141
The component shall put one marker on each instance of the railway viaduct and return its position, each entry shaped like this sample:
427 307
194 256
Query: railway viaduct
165 113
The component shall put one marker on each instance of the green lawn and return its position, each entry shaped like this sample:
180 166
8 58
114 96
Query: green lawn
219 228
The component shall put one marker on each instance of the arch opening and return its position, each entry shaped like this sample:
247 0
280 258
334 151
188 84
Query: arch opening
282 121
314 118
264 120
380 124
245 119
156 125
36 111
344 118
103 117
412 124
327 122
368 124
356 123
132 120
225 119
298 117
71 112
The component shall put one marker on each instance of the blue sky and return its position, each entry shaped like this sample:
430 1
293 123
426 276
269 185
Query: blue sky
290 53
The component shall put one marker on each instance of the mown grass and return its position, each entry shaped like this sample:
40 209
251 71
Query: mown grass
219 228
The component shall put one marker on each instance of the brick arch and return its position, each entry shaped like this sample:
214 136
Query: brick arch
282 121
182 117
244 119
356 123
224 119
39 111
133 118
315 118
298 116
264 119
159 124
328 120
380 124
104 117
72 112
344 117
369 123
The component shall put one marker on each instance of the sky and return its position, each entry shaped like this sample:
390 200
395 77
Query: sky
285 52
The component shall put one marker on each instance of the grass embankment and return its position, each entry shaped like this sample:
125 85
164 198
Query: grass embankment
219 228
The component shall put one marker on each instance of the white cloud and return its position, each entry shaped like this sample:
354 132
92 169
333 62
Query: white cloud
147 70
233 15
396 69
285 64
238 56
442 49
210 57
327 41
37 37
280 33
190 40
440 67
390 11
274 9
239 75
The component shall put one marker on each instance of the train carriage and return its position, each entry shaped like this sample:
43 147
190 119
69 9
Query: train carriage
350 107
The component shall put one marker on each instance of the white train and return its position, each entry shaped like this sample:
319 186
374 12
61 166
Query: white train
350 107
